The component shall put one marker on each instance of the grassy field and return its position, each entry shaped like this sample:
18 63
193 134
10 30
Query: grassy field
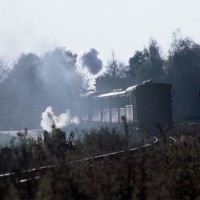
166 171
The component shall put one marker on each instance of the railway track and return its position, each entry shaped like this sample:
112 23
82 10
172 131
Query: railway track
35 174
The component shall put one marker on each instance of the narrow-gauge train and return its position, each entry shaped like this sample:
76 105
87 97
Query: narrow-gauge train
142 105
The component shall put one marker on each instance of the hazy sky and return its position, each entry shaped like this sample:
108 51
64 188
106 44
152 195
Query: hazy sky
122 25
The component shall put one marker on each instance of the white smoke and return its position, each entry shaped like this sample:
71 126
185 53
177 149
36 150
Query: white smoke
49 119
58 70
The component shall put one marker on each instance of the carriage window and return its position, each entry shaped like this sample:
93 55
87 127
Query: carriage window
129 113
106 115
85 117
84 113
122 113
96 115
114 115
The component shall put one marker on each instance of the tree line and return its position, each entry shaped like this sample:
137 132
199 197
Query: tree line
35 82
181 68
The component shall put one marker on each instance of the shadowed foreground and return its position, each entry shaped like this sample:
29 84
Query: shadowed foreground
166 171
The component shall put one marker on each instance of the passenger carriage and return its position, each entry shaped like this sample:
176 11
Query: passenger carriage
142 105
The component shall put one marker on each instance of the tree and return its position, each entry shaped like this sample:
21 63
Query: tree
147 64
183 72
115 68
36 82
61 56
3 69
20 91
114 76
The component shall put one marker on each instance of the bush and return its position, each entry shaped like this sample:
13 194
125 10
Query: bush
166 171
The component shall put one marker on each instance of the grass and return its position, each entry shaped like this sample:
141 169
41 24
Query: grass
167 171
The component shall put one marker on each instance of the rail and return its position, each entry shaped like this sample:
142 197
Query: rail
28 175
173 139
28 180
37 173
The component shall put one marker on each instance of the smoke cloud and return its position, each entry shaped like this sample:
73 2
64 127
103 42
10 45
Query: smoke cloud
35 82
91 61
49 119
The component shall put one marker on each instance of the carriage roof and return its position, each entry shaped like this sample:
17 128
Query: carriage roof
119 92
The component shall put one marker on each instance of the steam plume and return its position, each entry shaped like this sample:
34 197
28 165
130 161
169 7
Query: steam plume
49 119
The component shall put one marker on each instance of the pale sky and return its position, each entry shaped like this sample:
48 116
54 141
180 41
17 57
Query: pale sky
120 25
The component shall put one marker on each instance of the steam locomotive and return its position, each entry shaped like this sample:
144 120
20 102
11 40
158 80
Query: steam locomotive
142 105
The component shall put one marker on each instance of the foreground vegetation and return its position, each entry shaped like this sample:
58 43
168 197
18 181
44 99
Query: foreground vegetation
167 171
